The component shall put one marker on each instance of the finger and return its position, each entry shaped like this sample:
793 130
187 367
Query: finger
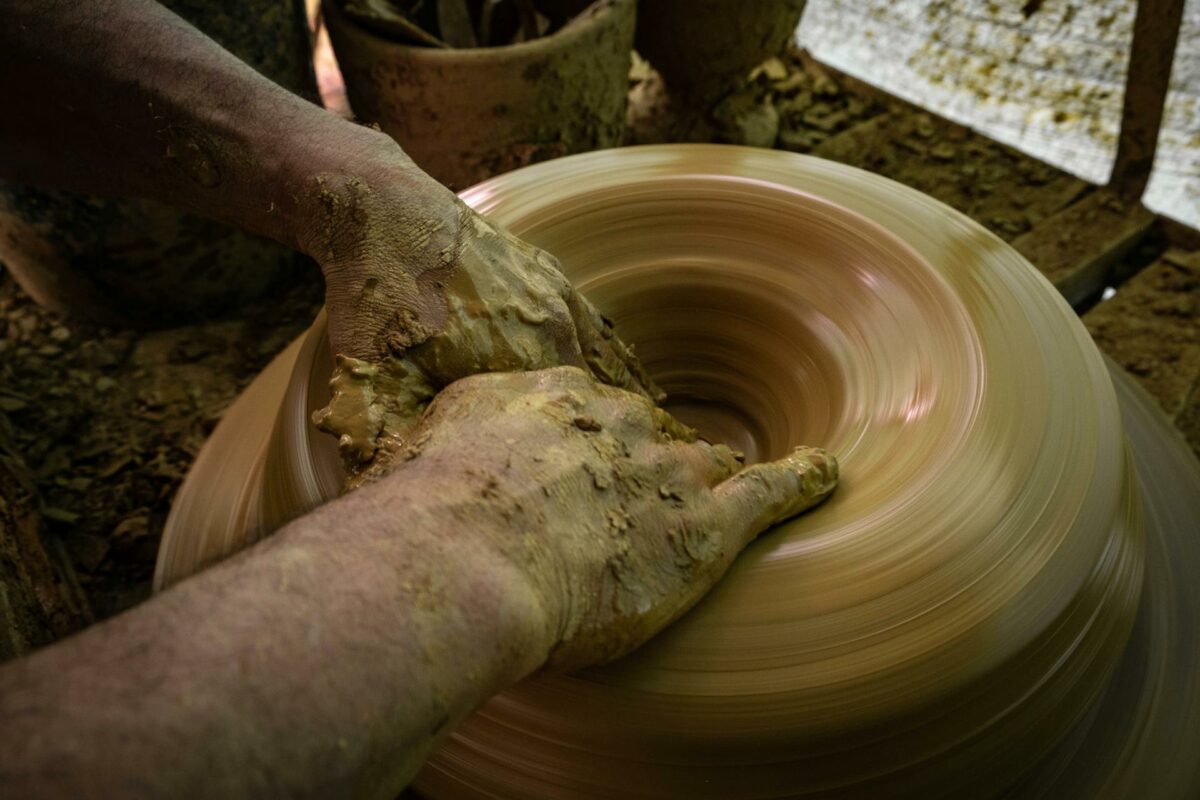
667 427
623 352
572 351
709 463
764 494
632 363
607 356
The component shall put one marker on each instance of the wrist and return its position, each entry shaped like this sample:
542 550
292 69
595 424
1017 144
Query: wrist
351 196
423 552
499 588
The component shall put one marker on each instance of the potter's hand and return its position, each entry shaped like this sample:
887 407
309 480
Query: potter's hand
532 520
610 510
424 291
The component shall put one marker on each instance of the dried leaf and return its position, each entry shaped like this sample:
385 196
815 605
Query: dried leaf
60 515
56 461
114 466
384 18
133 527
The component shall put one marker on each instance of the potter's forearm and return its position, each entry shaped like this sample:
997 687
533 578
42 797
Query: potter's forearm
124 97
325 662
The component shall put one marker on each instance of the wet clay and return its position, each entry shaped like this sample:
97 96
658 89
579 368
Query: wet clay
615 513
497 304
942 623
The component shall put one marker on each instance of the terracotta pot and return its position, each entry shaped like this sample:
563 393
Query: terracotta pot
133 262
467 114
703 47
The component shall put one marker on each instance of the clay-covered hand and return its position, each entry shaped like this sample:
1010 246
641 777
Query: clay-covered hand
423 291
613 513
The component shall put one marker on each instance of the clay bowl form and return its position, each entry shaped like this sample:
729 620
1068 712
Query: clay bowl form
991 603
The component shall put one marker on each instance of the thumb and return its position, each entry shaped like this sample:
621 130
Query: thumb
764 494
610 359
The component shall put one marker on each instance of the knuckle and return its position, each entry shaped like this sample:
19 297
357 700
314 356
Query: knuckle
632 412
552 270
553 274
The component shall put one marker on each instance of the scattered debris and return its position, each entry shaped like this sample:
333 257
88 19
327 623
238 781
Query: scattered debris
107 422
785 102
998 186
1151 327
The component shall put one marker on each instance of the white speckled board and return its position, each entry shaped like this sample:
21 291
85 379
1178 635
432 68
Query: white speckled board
1049 83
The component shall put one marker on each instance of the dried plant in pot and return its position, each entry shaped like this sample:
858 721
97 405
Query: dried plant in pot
474 89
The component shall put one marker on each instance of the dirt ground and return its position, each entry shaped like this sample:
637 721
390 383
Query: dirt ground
105 423
101 425
1151 327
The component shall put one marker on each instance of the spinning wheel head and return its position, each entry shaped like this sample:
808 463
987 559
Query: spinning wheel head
942 623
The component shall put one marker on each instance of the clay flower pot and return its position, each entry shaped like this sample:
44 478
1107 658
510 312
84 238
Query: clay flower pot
703 47
467 114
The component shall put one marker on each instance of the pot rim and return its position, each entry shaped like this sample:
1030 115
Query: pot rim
597 13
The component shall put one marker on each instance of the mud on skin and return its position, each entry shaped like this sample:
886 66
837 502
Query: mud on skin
618 516
614 512
474 299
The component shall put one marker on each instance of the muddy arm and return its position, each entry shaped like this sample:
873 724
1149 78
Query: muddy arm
304 668
123 97
532 520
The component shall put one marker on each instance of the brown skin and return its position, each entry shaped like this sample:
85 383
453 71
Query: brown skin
126 98
521 521
618 515
501 305
330 659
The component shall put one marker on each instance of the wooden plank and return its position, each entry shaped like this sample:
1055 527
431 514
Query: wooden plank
1155 33
1151 327
998 186
1180 235
1078 248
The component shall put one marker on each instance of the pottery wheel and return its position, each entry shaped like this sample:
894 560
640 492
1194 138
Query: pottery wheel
998 600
